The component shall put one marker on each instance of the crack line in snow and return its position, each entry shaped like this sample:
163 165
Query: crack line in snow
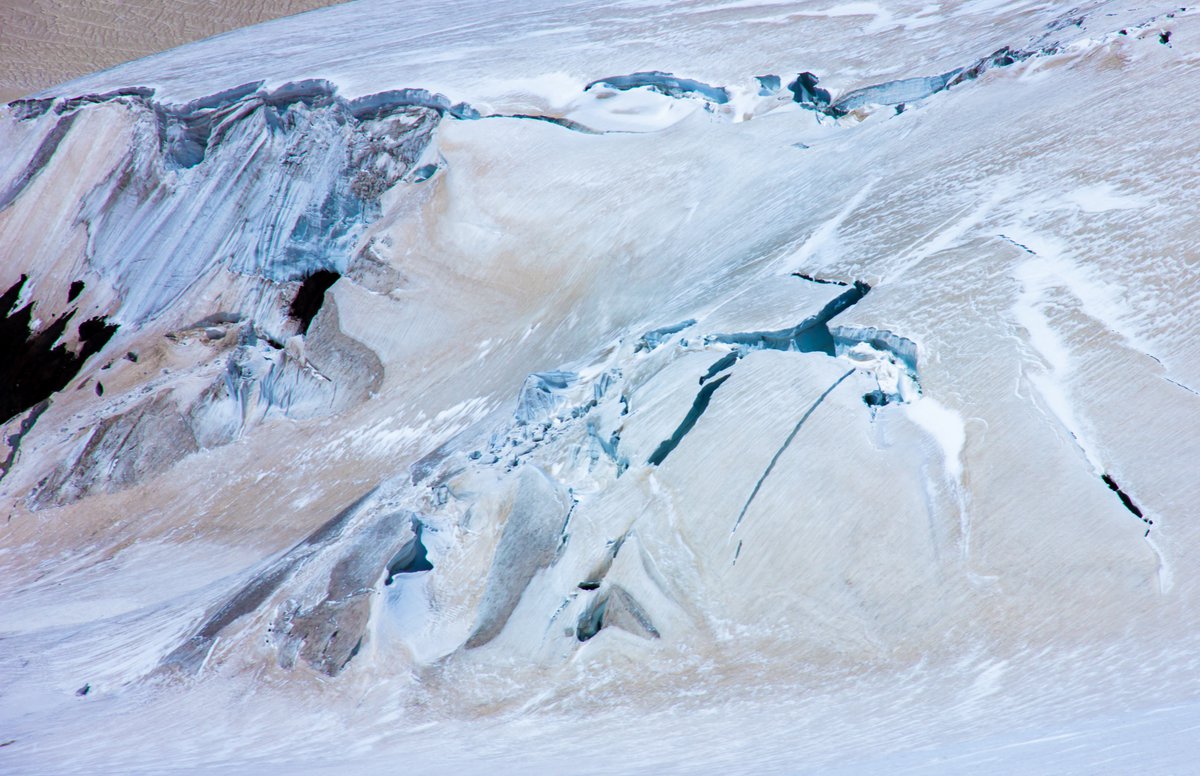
778 453
1051 382
699 405
1178 384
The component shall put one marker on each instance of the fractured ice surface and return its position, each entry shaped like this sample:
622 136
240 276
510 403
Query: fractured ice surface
664 83
452 384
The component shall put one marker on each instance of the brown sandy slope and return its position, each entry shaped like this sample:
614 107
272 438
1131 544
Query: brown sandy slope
45 42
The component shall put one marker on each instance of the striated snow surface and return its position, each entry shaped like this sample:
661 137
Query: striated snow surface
608 387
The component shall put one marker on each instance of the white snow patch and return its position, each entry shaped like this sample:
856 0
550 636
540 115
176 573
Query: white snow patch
1166 574
945 426
948 236
1037 277
635 110
555 89
1055 265
1104 197
891 375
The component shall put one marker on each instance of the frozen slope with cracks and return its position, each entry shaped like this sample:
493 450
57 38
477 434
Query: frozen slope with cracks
475 406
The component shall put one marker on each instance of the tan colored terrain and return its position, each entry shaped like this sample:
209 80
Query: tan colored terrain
45 42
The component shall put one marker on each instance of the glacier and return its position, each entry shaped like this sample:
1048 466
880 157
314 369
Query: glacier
621 387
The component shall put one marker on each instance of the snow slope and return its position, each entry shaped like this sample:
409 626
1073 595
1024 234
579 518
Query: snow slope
548 386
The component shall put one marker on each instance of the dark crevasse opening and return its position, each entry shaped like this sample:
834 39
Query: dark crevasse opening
616 608
74 291
877 398
699 405
806 92
786 443
34 365
411 558
592 621
811 335
819 280
311 296
721 366
1125 499
652 339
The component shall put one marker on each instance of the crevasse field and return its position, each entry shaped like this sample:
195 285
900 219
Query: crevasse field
626 387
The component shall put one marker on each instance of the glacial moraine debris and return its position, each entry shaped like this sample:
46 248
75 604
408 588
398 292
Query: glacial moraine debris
120 451
192 653
328 634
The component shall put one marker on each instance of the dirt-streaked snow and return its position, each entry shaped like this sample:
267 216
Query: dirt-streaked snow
651 420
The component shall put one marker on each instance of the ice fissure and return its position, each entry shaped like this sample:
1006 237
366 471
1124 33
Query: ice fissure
308 300
532 374
615 608
364 147
664 83
699 405
782 448
811 335
1126 500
